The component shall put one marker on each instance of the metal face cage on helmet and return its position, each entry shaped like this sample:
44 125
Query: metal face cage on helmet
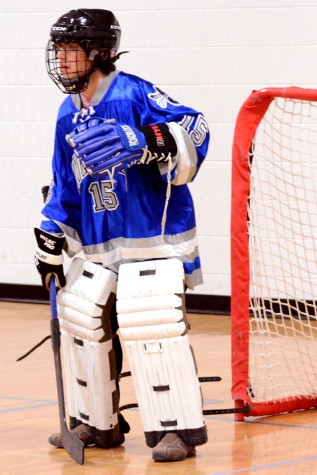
95 32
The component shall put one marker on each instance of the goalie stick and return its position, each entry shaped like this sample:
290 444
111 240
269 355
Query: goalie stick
72 444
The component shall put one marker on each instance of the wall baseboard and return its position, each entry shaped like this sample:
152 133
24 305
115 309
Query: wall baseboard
195 303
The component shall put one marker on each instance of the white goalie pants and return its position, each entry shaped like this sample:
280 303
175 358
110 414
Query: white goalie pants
84 306
152 322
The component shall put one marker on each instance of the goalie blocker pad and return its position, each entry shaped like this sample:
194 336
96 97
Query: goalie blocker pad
84 307
153 327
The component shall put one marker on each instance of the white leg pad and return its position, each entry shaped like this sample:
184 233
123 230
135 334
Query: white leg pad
84 306
153 327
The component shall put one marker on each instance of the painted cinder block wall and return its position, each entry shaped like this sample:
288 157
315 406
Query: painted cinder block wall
208 54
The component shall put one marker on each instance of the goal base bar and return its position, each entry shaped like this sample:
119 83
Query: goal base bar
272 408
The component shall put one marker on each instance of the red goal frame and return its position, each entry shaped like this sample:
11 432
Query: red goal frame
249 117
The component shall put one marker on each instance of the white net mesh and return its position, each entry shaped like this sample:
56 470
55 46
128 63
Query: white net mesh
283 253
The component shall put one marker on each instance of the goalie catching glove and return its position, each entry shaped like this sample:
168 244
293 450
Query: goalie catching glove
49 258
102 145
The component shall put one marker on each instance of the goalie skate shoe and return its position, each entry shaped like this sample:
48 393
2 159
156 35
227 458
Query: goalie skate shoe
84 433
172 449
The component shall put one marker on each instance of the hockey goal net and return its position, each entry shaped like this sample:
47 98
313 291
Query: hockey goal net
274 252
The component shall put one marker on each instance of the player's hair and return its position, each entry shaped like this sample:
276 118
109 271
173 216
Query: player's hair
92 29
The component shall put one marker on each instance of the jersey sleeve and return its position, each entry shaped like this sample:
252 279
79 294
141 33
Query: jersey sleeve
61 213
188 127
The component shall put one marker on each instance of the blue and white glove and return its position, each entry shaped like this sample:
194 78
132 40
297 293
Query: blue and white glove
105 145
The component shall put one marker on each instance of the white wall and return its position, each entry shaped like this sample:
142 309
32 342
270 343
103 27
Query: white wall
208 54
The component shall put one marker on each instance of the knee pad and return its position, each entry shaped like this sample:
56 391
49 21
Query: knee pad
84 306
152 322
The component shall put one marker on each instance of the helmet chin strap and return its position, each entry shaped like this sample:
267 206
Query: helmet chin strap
75 85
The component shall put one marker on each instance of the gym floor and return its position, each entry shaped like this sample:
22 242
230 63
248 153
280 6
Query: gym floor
29 413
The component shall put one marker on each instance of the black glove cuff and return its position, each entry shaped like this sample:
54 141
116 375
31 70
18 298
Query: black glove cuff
159 139
48 242
47 271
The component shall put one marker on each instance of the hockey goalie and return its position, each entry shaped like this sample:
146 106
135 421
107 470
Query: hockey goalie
123 156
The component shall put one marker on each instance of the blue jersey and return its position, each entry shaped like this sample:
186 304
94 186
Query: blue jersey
118 217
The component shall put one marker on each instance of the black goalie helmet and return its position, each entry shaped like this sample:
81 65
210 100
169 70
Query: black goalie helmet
97 32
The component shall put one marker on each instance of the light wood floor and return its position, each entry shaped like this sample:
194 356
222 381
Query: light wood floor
29 413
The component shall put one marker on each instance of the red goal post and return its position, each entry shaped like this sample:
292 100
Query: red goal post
273 244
